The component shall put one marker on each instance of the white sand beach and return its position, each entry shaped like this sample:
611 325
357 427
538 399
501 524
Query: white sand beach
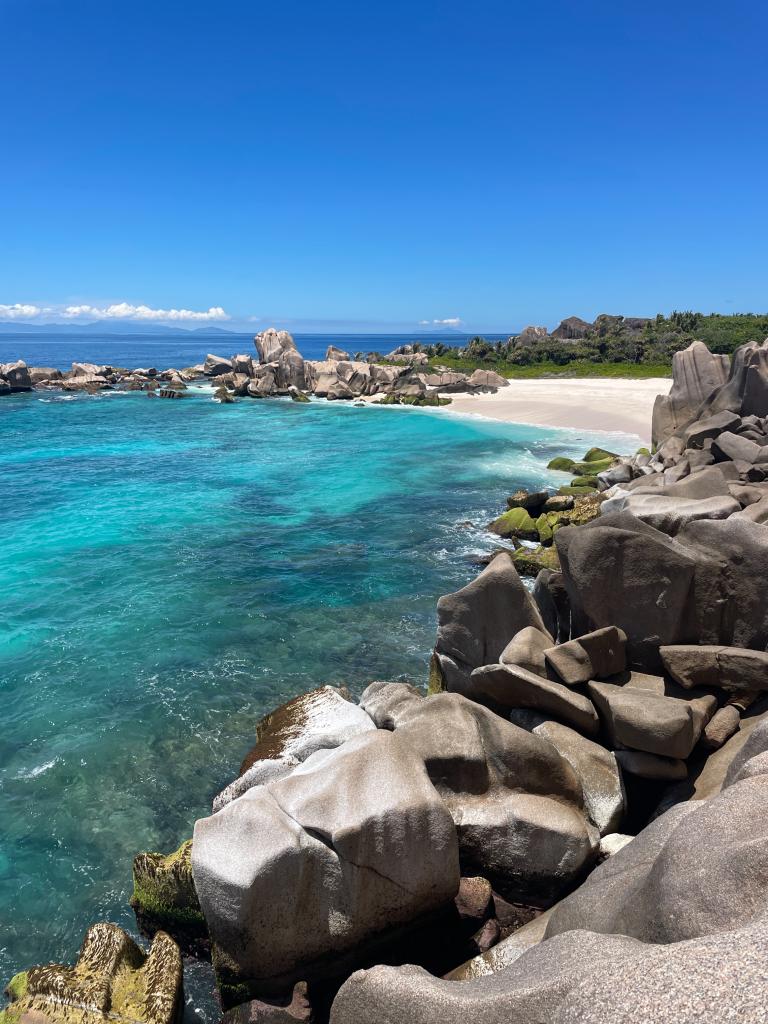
593 403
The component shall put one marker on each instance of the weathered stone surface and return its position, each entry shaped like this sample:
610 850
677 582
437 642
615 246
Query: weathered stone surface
591 656
551 597
707 585
611 844
598 771
696 374
723 724
526 649
354 842
16 374
292 1009
243 364
487 379
217 365
531 335
336 354
516 801
697 432
164 897
507 686
731 668
732 447
757 512
477 622
671 514
646 890
271 344
642 720
112 980
38 374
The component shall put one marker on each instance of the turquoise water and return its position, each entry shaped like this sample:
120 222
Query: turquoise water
172 570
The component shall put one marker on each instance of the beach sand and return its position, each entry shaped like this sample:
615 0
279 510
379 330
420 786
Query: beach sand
589 403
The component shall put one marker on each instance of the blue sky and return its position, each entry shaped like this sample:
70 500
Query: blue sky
344 165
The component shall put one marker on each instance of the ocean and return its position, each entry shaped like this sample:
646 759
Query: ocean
164 351
173 570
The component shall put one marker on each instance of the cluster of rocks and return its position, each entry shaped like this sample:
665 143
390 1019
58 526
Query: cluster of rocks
574 329
569 825
279 370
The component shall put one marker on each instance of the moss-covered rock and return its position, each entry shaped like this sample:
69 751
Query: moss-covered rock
517 522
561 463
599 455
164 898
530 561
584 481
592 468
112 980
576 491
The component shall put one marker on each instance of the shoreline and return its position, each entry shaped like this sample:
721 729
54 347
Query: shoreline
609 404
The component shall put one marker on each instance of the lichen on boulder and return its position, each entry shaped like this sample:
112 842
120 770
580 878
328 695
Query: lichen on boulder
112 980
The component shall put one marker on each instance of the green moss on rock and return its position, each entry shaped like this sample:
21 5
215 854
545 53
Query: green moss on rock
561 463
516 522
530 561
576 491
164 897
599 455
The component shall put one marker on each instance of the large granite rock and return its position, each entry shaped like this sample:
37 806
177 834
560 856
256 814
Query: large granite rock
516 801
216 366
278 347
526 649
487 379
696 374
113 980
16 374
642 720
573 328
731 668
477 622
592 656
504 687
355 842
672 928
596 768
671 514
164 898
708 585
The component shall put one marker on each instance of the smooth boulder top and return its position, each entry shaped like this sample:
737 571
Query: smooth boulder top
271 344
670 514
526 649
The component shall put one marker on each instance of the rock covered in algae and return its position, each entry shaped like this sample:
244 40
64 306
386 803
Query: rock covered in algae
164 898
112 979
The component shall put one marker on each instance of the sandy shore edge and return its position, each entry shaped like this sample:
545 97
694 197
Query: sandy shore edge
586 403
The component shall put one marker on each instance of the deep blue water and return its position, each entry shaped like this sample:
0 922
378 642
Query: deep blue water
176 350
172 570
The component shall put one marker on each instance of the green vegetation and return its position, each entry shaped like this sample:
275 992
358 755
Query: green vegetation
611 348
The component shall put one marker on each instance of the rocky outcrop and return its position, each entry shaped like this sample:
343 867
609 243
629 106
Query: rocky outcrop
112 980
696 374
636 941
164 898
312 834
516 802
573 328
335 354
531 335
477 622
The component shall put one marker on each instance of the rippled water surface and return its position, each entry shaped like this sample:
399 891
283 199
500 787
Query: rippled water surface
172 570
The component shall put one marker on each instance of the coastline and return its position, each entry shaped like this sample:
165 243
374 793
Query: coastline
586 403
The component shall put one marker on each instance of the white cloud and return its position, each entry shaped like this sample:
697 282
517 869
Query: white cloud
449 321
20 311
126 311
